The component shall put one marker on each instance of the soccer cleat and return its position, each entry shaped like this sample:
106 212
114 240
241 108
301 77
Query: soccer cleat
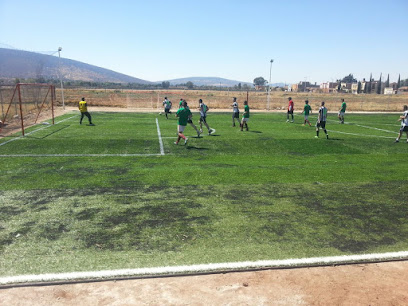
292 121
327 136
396 140
201 131
185 141
198 134
316 136
175 143
209 132
287 120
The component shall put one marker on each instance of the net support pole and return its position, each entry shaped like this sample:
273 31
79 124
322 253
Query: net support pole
52 102
21 109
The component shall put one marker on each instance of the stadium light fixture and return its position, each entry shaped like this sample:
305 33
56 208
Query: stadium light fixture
60 75
269 84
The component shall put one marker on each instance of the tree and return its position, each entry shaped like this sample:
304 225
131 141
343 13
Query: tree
259 81
379 85
399 81
165 84
359 88
369 84
387 82
349 79
246 87
190 85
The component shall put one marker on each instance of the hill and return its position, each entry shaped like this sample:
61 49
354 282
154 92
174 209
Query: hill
207 81
27 65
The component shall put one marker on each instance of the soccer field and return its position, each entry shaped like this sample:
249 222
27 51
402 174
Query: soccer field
121 195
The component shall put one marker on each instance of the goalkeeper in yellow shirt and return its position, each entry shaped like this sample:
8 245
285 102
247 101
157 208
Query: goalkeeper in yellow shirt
84 111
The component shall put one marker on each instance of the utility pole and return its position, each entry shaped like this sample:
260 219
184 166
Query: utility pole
60 74
269 84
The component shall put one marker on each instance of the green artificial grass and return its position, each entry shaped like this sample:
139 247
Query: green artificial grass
274 192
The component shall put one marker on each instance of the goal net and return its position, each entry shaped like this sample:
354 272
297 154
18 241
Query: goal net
24 105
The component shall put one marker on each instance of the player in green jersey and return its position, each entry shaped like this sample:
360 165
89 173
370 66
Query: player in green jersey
307 110
183 114
342 111
245 117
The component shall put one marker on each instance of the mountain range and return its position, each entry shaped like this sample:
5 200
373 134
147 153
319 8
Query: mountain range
31 65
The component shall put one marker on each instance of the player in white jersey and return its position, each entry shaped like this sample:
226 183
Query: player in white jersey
321 121
167 107
203 116
235 112
404 124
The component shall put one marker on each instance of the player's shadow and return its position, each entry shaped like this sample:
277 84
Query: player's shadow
335 139
257 132
196 148
61 127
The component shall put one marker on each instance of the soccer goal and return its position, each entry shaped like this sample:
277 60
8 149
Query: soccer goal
24 104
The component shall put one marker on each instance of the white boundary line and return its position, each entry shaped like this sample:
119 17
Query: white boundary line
82 155
160 138
169 270
368 127
354 134
79 155
32 132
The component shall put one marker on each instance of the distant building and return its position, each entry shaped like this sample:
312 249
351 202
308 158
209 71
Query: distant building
389 91
329 87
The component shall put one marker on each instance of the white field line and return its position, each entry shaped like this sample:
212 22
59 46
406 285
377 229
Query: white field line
80 155
160 138
355 134
233 266
201 135
45 127
83 155
368 127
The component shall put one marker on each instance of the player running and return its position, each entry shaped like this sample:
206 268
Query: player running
245 117
183 114
235 111
167 107
342 111
404 124
307 110
291 108
321 121
190 118
203 116
83 108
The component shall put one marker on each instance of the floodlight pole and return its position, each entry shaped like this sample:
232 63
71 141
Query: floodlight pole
269 84
60 75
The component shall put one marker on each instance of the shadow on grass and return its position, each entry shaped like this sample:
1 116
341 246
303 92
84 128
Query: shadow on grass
60 128
189 147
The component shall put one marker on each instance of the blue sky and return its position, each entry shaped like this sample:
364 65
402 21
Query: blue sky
159 40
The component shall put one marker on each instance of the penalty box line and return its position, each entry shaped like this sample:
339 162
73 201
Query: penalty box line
205 268
86 155
32 132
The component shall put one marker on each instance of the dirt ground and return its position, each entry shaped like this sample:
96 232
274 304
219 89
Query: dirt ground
359 284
